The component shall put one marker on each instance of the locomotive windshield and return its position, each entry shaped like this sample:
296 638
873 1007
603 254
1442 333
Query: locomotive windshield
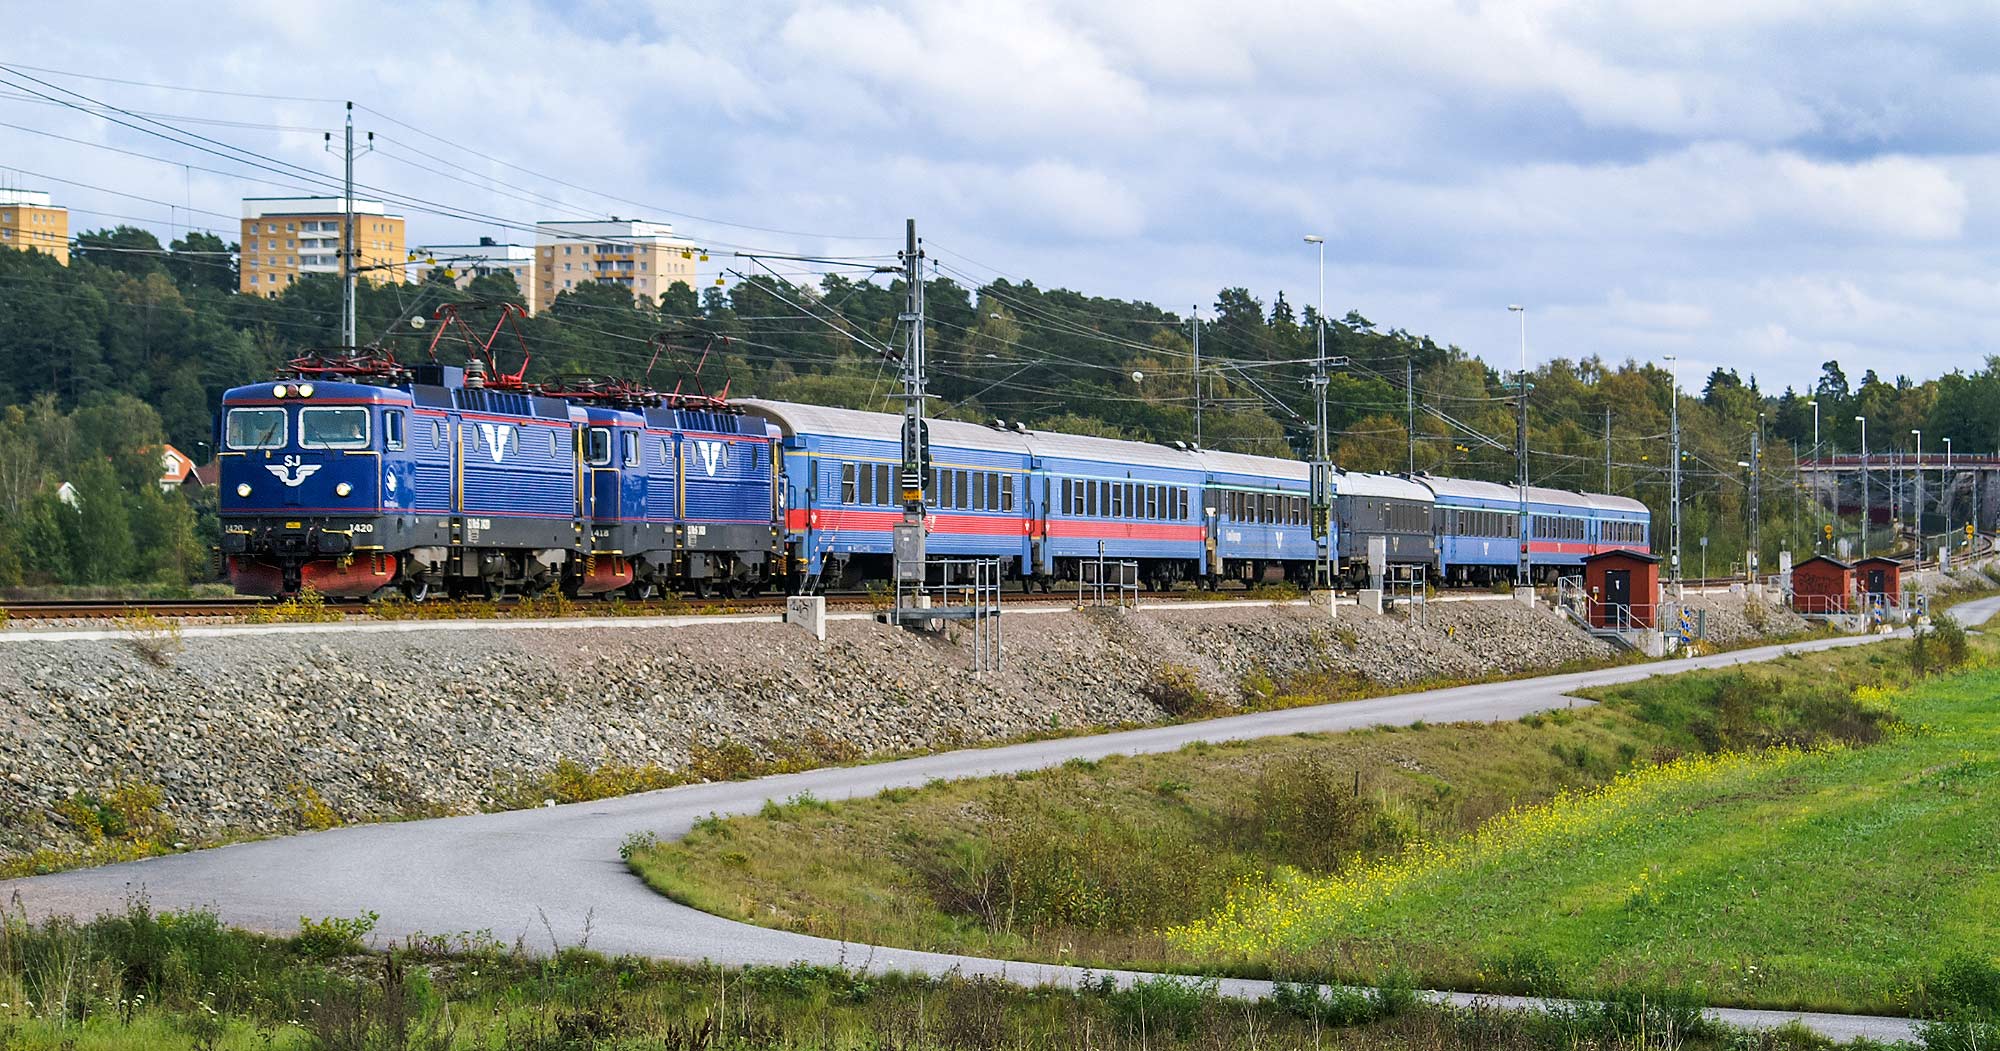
598 447
333 428
255 429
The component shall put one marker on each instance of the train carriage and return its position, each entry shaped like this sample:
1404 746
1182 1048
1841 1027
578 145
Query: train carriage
1397 510
1120 500
1478 529
841 491
1261 516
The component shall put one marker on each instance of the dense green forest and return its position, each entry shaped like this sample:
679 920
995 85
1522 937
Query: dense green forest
134 342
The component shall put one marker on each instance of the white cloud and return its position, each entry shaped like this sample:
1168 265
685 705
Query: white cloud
1768 183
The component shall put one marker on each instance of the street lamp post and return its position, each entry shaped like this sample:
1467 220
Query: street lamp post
1322 465
1674 473
1917 496
1750 556
1944 485
1521 453
1863 421
1815 455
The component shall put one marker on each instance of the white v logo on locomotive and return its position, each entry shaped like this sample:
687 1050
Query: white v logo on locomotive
496 439
713 455
292 472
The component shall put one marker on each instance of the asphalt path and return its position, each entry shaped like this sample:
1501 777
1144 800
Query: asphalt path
552 876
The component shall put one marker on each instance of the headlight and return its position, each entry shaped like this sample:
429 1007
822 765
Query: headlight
342 489
242 488
305 390
278 391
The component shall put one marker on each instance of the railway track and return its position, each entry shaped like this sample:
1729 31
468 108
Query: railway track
240 606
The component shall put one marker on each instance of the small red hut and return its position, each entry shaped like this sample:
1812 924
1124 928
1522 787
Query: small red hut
1822 585
1880 575
1624 588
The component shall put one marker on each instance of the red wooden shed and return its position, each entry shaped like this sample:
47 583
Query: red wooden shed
1822 584
1880 575
1624 586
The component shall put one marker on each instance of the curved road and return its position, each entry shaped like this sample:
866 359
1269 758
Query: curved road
555 872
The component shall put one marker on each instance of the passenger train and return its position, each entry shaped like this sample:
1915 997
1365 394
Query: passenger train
422 478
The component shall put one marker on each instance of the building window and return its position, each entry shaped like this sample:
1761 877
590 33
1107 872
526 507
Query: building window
290 227
566 249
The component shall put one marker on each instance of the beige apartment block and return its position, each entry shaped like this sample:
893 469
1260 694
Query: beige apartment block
284 237
29 220
467 262
643 258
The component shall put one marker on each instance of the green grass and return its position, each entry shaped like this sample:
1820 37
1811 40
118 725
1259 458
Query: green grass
1842 879
1837 880
174 981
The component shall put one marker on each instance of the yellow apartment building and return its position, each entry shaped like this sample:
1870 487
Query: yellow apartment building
644 258
284 237
28 219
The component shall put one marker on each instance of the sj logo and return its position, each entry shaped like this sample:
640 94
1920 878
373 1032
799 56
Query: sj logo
292 472
712 455
496 439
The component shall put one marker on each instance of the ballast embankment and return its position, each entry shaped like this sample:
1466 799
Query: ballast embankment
272 732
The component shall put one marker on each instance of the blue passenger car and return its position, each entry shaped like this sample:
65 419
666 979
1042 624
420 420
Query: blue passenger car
1259 516
841 498
1121 500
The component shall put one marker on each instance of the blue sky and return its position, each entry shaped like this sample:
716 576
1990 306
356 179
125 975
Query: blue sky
1757 185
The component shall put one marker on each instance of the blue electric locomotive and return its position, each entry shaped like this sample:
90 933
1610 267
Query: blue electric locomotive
393 478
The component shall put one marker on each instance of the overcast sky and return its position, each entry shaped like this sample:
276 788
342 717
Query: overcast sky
1758 185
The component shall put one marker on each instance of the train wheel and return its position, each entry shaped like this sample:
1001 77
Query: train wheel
417 590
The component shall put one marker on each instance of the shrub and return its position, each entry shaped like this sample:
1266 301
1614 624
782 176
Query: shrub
1257 689
1174 689
637 843
1164 1004
311 809
1939 648
331 936
308 606
1963 985
1316 816
156 639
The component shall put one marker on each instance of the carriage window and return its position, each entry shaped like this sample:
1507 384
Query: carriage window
847 490
993 490
885 485
597 447
1068 494
333 428
392 430
866 494
978 490
256 429
1007 493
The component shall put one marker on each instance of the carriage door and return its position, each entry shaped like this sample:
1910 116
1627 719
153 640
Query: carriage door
1618 593
1876 581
